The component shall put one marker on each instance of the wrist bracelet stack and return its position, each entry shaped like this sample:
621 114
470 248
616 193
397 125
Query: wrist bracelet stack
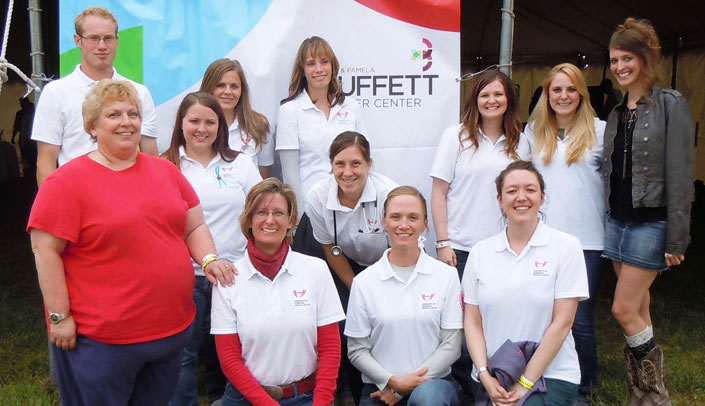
442 243
207 260
525 382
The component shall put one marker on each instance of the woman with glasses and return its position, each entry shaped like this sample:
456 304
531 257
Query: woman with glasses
276 328
345 212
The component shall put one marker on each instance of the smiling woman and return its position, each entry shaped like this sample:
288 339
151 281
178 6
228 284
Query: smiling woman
400 359
118 329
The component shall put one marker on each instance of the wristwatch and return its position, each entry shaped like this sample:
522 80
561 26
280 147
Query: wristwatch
443 243
481 370
56 318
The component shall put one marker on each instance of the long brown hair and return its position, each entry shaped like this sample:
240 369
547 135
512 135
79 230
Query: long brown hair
177 136
249 121
317 47
581 129
472 120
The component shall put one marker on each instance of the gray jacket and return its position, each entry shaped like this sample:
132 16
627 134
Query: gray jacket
662 160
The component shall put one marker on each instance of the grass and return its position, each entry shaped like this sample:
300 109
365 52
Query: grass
678 310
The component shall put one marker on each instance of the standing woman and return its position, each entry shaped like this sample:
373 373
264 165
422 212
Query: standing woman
649 173
469 156
404 316
524 284
315 111
277 327
566 145
346 217
249 130
221 178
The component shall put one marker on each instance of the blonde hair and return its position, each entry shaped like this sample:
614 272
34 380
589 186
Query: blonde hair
104 92
249 121
257 193
317 47
101 12
405 191
639 37
581 129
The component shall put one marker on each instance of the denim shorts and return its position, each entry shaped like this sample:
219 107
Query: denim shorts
642 245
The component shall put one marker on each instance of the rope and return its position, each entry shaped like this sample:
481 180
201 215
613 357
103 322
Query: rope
4 64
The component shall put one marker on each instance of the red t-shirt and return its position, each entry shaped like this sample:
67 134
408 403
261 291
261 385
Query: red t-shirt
128 271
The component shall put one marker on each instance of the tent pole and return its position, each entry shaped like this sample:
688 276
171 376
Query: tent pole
37 52
505 45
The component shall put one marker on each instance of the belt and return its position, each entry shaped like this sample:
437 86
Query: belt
290 390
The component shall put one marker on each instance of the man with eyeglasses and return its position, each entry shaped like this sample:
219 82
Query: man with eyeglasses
58 122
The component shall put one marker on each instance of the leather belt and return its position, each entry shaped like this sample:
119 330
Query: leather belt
289 391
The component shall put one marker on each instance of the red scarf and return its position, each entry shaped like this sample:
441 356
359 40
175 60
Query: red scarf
268 266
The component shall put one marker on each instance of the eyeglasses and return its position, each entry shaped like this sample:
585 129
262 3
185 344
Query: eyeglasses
264 213
95 39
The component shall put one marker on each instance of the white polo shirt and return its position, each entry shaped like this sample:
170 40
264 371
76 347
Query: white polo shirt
222 200
472 209
58 119
404 320
262 155
277 320
360 231
575 194
302 126
516 291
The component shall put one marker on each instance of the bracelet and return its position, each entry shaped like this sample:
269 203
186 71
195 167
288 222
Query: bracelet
208 261
205 257
481 370
525 382
442 243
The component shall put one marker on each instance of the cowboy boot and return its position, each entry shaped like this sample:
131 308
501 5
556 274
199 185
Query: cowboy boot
652 379
635 393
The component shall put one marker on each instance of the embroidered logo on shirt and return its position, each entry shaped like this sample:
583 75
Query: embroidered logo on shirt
342 114
428 305
540 269
300 293
299 300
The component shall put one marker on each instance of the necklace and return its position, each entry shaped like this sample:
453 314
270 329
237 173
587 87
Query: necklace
630 116
116 166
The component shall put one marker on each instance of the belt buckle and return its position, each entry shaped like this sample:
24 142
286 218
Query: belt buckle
276 392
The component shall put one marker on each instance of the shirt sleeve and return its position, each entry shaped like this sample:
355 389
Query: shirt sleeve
287 127
253 176
360 355
56 210
357 324
524 147
48 126
187 193
328 307
223 317
443 166
265 156
452 315
317 215
469 285
571 275
149 114
360 125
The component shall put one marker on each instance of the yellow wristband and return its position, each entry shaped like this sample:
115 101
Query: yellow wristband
208 261
525 382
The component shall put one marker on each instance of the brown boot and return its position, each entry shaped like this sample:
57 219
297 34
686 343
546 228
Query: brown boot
635 393
652 379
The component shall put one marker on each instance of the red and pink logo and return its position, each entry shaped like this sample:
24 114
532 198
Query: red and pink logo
540 264
424 54
342 114
426 297
300 293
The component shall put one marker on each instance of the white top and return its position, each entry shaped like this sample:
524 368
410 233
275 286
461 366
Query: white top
262 155
404 320
277 320
575 194
302 126
360 231
516 292
222 200
58 119
472 209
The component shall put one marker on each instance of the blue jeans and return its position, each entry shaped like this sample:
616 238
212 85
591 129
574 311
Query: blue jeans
186 392
233 397
558 393
436 392
139 374
584 326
